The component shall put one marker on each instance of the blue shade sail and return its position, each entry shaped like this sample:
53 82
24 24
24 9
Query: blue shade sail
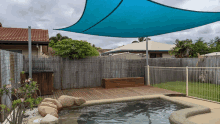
137 18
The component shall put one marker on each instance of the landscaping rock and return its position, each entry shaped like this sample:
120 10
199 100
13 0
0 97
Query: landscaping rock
49 104
56 102
66 101
37 121
31 114
49 119
79 101
44 110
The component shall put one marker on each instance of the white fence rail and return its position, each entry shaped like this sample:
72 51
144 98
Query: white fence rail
197 82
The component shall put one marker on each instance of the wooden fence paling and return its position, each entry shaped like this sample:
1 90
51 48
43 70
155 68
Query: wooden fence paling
12 69
1 115
100 70
61 73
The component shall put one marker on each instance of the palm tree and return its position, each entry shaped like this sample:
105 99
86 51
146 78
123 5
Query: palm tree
97 48
58 37
183 49
135 42
141 39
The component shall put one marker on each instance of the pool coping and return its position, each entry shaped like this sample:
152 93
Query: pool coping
177 117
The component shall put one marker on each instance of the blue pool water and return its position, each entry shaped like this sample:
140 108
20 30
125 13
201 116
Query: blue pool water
152 111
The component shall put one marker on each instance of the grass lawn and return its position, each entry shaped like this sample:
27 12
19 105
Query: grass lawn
195 89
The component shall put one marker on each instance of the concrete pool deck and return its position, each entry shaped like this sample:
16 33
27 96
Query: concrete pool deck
201 112
207 118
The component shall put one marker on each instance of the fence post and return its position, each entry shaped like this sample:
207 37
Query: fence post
186 80
148 75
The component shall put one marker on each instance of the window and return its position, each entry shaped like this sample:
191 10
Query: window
153 55
159 55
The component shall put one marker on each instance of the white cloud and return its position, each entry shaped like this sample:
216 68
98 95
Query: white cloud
200 5
24 2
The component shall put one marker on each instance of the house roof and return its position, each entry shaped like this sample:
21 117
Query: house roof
127 55
141 46
103 50
20 35
212 54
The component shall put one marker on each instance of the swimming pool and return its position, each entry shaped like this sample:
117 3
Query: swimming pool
151 111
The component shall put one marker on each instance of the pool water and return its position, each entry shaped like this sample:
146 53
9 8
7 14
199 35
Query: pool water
152 111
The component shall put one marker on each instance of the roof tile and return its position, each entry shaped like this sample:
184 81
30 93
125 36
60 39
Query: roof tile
21 34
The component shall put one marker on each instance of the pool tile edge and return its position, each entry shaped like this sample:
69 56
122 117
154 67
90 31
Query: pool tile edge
177 117
180 116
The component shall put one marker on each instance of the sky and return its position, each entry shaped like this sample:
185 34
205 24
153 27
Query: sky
55 14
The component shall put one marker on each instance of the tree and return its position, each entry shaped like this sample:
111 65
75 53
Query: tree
186 48
97 48
182 49
214 45
135 42
58 37
74 49
199 47
141 39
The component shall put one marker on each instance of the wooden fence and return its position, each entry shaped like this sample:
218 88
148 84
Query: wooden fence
86 72
90 71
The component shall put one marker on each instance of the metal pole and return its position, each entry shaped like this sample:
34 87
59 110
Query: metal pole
29 51
147 51
148 75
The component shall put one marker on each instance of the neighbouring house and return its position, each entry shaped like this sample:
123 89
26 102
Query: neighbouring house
210 54
103 50
127 55
16 40
155 49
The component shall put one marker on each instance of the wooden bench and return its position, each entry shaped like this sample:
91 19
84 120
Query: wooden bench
122 82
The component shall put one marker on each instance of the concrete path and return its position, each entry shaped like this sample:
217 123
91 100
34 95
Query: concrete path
209 118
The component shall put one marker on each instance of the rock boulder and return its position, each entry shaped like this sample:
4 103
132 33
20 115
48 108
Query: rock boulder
79 101
56 102
49 104
44 110
49 119
66 101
